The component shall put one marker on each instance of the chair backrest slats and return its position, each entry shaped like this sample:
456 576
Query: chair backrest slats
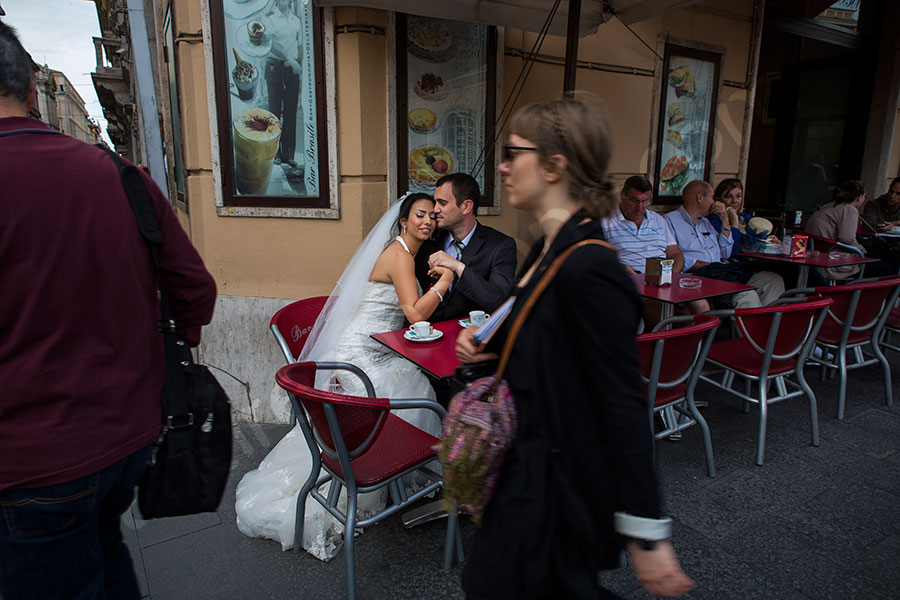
359 419
667 357
292 324
790 324
859 305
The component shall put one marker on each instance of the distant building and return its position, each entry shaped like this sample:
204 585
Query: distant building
45 97
59 105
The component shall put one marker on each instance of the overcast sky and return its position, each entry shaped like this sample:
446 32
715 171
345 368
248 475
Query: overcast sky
58 33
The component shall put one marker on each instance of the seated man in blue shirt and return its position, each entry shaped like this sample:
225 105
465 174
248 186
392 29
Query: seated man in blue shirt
705 250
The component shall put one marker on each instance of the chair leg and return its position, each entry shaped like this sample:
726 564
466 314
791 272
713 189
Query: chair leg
707 440
452 528
813 406
842 392
300 513
763 417
349 531
747 387
886 369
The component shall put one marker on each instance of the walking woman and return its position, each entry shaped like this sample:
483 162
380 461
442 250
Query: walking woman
578 483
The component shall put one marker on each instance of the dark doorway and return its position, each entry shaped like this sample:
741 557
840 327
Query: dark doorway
811 110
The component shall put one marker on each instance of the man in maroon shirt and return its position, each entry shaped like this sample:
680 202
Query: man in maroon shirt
81 361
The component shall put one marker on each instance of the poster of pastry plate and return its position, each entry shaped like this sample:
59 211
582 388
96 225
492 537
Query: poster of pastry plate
272 78
685 121
446 83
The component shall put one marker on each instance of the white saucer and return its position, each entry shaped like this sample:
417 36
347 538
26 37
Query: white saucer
411 336
466 323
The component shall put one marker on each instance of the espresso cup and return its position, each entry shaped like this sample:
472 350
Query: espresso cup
477 317
421 329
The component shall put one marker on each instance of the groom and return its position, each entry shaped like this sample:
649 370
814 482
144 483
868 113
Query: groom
483 259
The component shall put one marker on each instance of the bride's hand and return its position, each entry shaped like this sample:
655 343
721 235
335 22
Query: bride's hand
438 272
467 351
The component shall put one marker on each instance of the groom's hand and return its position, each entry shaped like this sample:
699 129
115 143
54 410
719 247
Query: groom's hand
442 259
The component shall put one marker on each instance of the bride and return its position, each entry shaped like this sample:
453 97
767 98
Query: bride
377 292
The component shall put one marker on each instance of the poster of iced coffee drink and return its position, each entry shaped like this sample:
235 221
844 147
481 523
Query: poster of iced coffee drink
272 98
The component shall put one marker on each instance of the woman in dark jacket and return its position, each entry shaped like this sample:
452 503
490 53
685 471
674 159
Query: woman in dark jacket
579 481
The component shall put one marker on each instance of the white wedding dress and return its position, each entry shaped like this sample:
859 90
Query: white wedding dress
266 497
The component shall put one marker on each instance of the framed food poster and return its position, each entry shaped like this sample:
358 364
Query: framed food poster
268 62
686 121
446 92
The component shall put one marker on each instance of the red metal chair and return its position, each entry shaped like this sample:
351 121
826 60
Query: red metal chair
856 319
291 325
825 245
891 329
775 342
670 364
363 447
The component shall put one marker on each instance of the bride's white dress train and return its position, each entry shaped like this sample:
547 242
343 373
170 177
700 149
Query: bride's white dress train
266 497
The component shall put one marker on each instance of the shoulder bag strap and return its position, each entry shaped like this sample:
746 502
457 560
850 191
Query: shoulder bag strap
177 354
533 298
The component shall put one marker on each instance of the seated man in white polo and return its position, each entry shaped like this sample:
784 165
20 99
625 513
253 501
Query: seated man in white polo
640 233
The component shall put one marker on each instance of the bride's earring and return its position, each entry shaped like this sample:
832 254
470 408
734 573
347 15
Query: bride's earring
404 229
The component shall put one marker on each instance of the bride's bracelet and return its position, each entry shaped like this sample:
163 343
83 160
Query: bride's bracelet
439 295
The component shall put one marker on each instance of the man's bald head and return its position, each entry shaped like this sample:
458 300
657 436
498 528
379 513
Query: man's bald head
697 198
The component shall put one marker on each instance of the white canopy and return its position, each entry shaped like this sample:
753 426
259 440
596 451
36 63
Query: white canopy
523 14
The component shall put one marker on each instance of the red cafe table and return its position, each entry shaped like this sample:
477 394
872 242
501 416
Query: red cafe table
670 295
818 260
437 358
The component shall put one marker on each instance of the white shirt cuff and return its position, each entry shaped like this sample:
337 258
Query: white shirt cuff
642 528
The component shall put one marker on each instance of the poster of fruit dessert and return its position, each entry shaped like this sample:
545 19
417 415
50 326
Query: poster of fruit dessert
687 106
272 100
446 90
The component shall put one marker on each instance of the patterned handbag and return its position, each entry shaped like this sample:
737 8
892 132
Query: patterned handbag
481 421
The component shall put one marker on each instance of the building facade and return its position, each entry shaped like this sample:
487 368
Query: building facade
60 105
376 93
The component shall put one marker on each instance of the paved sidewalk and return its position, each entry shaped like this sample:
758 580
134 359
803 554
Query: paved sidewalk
812 523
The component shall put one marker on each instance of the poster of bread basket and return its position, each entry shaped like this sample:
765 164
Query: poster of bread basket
689 92
446 83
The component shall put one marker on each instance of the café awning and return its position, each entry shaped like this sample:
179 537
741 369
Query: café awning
523 14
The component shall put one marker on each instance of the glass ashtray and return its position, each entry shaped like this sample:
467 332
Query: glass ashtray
690 283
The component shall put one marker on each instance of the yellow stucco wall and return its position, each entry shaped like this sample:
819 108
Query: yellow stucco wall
295 258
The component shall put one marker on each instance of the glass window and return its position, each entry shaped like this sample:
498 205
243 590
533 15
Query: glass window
446 93
268 66
174 108
843 13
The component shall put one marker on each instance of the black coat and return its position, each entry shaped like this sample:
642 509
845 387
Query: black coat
584 446
487 280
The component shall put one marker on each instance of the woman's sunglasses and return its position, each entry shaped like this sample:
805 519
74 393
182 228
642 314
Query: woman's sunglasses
510 152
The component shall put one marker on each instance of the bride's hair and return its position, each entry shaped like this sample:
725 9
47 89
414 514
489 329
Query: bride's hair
406 206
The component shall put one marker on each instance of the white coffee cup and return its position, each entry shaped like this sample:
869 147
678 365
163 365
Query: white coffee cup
422 329
477 317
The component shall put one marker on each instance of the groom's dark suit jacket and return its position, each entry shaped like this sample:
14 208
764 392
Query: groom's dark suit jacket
490 259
